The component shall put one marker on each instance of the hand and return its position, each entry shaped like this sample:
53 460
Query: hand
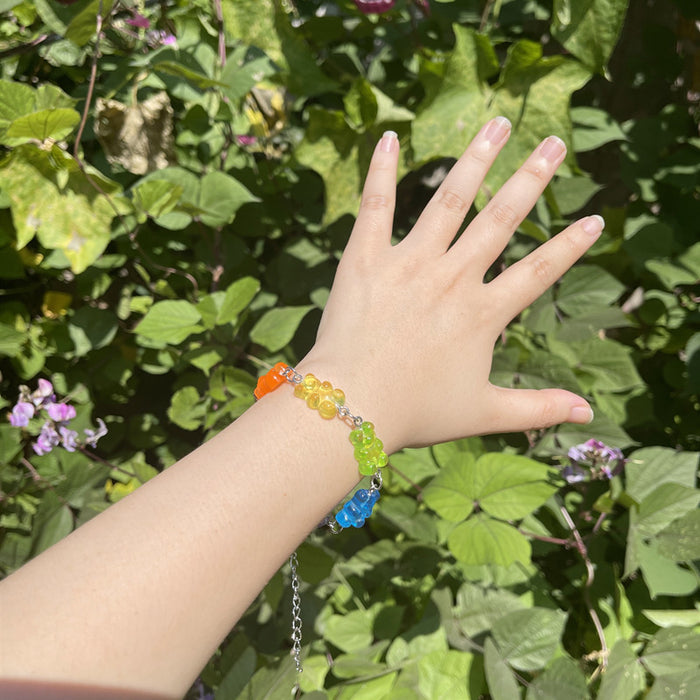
409 330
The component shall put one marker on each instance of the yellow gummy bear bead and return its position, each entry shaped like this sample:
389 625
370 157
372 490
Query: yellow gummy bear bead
327 409
313 399
338 395
325 389
310 382
300 391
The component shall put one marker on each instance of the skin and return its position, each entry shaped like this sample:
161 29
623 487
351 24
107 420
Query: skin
138 598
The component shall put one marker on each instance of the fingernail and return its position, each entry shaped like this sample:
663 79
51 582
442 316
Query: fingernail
581 414
496 130
386 143
552 148
593 225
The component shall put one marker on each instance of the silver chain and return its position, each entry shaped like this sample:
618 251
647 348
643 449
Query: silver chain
296 614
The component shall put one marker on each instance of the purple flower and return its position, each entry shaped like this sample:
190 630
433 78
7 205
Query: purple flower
572 474
47 440
43 392
374 7
159 37
139 21
22 411
60 412
244 140
68 438
92 436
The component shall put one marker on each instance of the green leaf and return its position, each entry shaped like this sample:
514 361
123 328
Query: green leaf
220 198
52 522
83 26
594 128
16 100
478 607
510 486
572 193
483 540
589 28
680 541
505 486
587 286
676 687
11 340
444 674
527 639
662 506
672 650
53 124
561 679
502 684
185 408
661 575
350 632
449 494
650 467
277 327
56 201
156 197
238 297
624 677
673 618
170 322
92 328
602 364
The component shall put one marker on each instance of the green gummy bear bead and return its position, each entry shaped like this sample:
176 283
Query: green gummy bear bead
356 437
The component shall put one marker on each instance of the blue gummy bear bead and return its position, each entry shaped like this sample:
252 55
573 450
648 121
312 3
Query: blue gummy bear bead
357 509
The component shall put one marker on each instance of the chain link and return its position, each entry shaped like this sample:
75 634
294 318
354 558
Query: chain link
296 614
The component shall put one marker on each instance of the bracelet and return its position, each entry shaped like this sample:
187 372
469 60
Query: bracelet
368 451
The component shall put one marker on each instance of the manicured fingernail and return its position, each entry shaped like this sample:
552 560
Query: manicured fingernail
593 225
496 130
386 143
552 148
581 414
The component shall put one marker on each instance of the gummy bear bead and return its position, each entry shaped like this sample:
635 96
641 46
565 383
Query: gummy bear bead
367 467
338 396
313 400
327 409
382 460
356 437
310 382
300 391
342 518
325 389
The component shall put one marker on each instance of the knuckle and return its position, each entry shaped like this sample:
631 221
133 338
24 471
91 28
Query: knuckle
453 201
503 214
536 172
542 268
375 201
548 412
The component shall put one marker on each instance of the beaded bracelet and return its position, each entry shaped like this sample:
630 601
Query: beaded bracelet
368 451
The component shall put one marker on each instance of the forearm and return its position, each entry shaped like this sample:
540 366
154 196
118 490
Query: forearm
170 569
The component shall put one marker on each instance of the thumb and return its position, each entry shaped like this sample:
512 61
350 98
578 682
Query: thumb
515 410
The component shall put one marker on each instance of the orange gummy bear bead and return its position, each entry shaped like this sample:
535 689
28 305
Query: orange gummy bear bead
270 381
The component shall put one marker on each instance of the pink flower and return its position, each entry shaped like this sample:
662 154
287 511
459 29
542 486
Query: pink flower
139 21
21 413
374 7
60 412
245 140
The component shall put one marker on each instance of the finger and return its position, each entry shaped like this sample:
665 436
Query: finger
443 216
375 218
492 228
515 410
524 281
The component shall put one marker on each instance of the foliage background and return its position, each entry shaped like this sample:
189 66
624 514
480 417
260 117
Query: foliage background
170 220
